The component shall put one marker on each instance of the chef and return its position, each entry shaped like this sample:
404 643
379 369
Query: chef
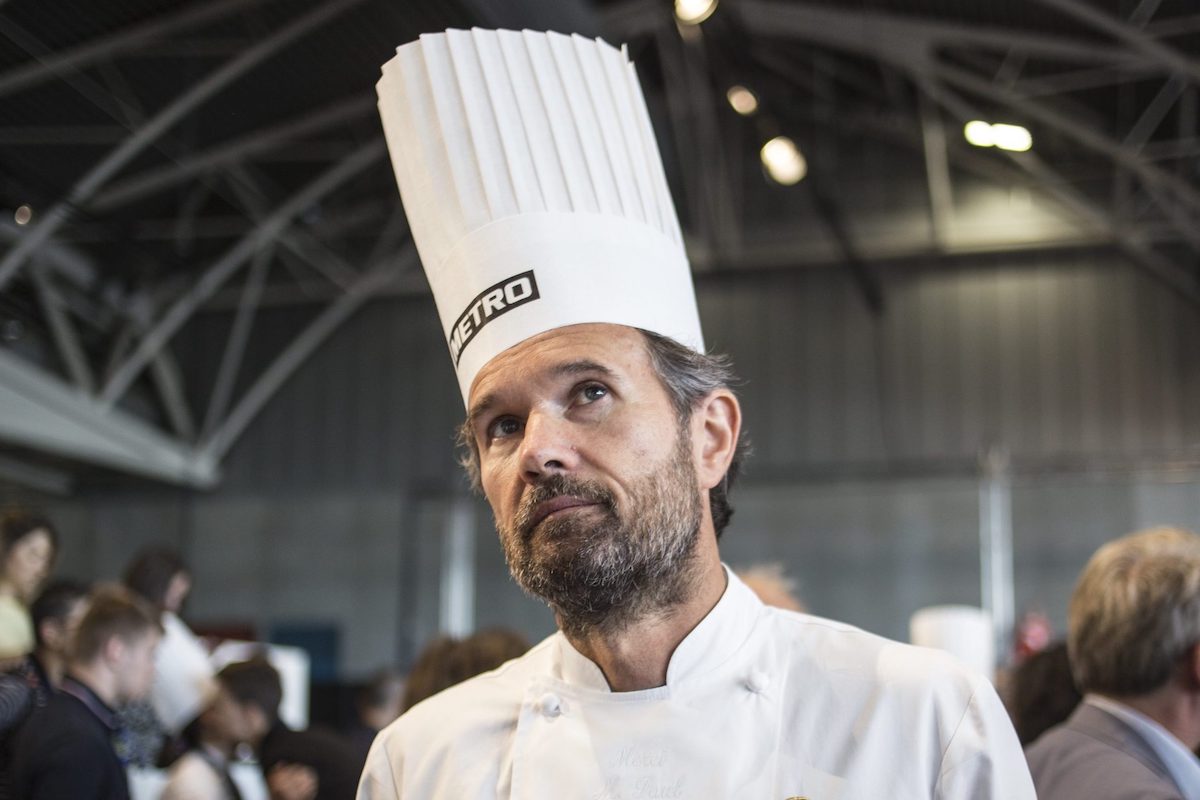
605 441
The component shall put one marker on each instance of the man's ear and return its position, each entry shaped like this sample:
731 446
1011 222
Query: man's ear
114 650
51 632
1191 665
716 423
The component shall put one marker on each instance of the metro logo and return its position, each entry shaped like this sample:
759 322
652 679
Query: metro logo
492 302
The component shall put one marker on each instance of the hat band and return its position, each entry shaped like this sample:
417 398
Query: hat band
524 275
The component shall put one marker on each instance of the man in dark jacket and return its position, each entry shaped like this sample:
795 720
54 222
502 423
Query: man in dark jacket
64 749
312 763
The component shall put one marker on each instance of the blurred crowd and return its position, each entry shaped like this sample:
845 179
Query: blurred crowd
102 686
106 693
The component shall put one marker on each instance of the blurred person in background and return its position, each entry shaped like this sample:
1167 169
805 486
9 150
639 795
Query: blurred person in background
64 749
28 546
56 614
1133 634
1041 692
772 585
313 764
377 704
202 773
183 674
447 661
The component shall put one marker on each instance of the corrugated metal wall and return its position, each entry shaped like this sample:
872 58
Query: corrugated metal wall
863 484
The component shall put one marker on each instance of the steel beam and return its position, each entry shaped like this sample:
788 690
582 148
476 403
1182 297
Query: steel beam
1181 25
65 260
687 148
1079 79
937 168
295 240
66 340
84 55
1141 253
235 344
87 186
911 45
218 273
43 479
40 412
258 142
1144 12
49 135
1154 114
1171 59
902 36
1084 135
369 284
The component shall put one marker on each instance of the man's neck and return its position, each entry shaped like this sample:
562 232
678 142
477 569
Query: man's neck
1175 710
636 657
52 665
95 677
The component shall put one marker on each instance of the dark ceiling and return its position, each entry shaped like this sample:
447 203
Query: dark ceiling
183 157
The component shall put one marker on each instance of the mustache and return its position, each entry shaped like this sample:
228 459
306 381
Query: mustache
559 486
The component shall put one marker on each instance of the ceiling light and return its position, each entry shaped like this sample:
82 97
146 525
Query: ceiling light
979 133
1006 137
23 215
783 161
742 99
693 12
1012 137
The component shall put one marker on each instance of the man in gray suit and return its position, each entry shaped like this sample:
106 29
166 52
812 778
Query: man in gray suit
1134 643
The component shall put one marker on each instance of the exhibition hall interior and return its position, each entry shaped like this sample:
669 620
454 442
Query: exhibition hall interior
952 250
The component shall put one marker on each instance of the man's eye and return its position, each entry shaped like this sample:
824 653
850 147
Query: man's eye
593 392
504 427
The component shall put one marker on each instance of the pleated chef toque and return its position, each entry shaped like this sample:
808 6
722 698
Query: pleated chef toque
534 190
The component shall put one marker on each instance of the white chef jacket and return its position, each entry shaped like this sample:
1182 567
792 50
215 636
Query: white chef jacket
759 703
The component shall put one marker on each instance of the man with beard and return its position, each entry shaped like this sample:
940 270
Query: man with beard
605 441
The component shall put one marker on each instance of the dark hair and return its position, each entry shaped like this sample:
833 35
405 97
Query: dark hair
256 683
1042 693
151 571
55 603
688 376
447 661
18 523
112 611
383 688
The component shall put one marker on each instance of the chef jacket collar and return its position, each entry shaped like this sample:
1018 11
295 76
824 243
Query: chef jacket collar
712 642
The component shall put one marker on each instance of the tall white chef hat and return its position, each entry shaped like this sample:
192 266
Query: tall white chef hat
534 190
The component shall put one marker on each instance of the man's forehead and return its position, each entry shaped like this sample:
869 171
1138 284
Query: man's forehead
610 350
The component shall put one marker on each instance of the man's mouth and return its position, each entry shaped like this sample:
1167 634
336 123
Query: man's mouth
554 505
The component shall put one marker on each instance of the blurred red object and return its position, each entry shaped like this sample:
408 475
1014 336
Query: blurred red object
1032 634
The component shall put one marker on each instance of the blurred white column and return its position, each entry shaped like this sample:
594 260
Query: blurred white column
456 612
996 549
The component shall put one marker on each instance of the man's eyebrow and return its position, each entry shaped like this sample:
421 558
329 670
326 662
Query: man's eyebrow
485 403
480 408
582 365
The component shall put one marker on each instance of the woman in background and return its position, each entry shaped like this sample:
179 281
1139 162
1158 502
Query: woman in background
28 545
183 674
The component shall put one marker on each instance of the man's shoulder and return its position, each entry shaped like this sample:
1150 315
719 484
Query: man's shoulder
61 738
61 716
1078 758
826 650
487 702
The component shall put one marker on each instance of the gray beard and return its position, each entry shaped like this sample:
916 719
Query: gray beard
600 575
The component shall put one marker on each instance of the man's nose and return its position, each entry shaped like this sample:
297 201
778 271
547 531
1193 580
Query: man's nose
547 447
